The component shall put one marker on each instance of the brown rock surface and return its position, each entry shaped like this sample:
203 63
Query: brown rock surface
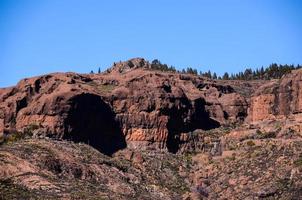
129 103
277 99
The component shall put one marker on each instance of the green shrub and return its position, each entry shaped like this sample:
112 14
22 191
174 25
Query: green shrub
1 138
13 137
17 135
250 143
298 162
28 131
265 135
106 88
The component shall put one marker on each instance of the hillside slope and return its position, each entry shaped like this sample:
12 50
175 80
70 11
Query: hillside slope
137 133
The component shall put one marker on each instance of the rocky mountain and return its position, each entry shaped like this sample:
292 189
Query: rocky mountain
137 133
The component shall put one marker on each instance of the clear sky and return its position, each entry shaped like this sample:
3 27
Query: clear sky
42 36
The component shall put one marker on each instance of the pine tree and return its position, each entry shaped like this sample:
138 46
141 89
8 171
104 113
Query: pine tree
232 77
210 74
214 75
248 73
225 76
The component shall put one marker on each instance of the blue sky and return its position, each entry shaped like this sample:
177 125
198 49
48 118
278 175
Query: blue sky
42 36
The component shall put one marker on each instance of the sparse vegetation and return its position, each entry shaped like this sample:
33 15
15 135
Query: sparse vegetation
273 71
9 190
17 135
157 65
265 135
298 162
250 143
103 88
106 88
77 170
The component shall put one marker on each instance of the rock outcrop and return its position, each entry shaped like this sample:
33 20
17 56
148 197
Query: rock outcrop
277 99
128 105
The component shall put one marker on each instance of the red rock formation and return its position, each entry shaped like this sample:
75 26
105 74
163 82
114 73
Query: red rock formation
277 99
129 102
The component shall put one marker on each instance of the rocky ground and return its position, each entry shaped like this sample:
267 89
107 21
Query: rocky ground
136 133
49 169
234 164
256 166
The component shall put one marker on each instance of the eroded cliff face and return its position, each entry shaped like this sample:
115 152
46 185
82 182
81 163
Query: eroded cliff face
128 105
278 99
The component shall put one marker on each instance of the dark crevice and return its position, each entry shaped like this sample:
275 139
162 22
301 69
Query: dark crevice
37 86
167 88
275 107
178 123
225 115
21 104
241 115
92 121
201 118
